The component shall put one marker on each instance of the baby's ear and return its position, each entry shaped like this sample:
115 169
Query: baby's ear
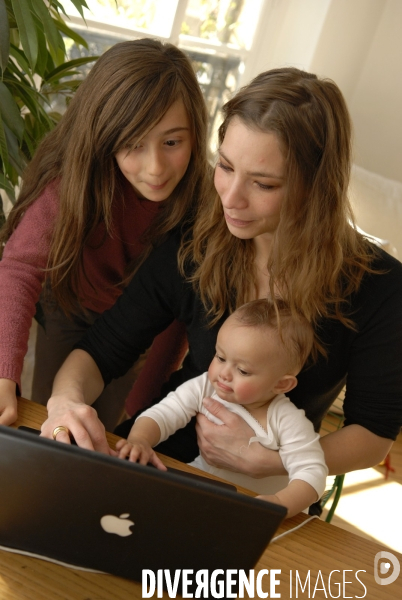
285 384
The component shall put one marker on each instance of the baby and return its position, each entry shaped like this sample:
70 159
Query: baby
259 352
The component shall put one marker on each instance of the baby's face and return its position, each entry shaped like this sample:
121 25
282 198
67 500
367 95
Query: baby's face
247 364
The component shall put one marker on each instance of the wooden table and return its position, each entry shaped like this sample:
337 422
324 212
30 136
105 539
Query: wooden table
329 555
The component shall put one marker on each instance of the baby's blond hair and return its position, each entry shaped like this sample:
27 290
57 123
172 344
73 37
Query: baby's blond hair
295 333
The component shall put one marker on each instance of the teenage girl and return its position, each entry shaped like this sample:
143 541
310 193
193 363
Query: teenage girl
126 164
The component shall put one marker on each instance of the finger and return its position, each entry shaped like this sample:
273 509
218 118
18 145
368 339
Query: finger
63 437
232 422
125 450
143 458
120 444
81 437
92 436
74 426
122 452
201 441
201 418
200 429
83 424
203 427
134 454
156 461
201 423
217 409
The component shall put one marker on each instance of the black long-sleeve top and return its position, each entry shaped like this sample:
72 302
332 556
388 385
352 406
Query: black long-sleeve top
368 359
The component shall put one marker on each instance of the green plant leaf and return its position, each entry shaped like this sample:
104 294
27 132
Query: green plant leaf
63 70
78 5
32 33
27 30
50 65
63 87
15 80
3 144
60 24
31 98
56 116
35 130
58 7
43 52
50 29
15 157
21 60
4 36
9 189
60 87
10 112
59 55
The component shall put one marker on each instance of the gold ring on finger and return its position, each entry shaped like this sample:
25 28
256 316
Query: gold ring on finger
57 430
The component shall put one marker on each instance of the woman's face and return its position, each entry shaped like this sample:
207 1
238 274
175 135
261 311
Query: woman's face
160 159
250 180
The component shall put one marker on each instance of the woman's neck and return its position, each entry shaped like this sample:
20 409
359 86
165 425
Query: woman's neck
262 247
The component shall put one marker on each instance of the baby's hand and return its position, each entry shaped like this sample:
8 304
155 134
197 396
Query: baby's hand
271 498
139 450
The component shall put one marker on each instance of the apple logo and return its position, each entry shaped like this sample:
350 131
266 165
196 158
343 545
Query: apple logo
118 525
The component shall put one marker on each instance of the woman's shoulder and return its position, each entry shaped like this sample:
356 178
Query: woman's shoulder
385 273
161 263
167 247
382 257
380 291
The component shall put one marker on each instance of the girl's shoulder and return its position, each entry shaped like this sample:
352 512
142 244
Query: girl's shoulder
40 215
48 197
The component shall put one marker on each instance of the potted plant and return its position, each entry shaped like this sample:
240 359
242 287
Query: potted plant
34 70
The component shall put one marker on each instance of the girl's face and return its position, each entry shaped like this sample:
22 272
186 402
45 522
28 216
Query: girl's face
250 180
160 159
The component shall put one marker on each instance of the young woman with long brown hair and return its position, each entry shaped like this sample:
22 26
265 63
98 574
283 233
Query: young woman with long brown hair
126 164
281 226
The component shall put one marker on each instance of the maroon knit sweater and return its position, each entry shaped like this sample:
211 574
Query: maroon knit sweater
25 257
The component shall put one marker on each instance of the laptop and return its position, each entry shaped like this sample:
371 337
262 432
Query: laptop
88 510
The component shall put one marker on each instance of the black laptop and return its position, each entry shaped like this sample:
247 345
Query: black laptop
88 510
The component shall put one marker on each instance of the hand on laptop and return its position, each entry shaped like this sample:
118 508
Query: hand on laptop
139 450
81 421
144 434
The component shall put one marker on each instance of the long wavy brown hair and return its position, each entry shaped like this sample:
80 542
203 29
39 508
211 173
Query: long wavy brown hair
317 258
127 92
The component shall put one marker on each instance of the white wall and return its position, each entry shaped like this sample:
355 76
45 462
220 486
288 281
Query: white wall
345 41
376 104
358 43
287 35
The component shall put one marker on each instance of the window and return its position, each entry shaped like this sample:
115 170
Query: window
216 34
